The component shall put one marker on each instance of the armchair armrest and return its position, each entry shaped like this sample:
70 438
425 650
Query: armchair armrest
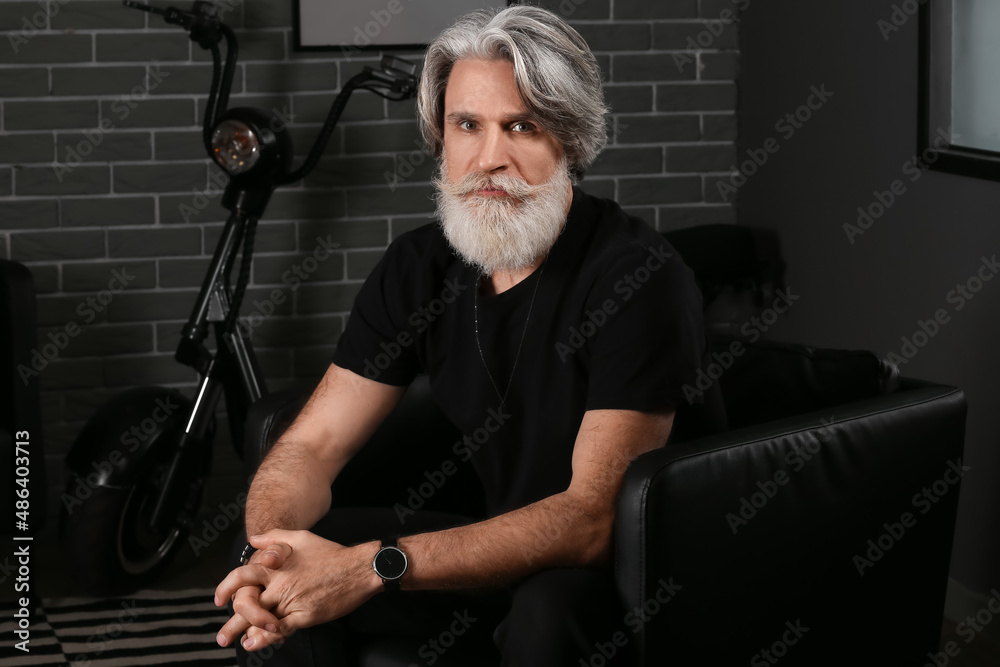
825 536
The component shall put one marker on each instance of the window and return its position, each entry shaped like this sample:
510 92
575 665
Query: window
960 86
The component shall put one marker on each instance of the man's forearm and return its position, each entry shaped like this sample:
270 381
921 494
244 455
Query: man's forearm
291 489
288 492
569 529
558 531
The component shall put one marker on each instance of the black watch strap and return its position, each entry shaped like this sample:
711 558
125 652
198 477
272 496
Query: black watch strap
391 584
248 551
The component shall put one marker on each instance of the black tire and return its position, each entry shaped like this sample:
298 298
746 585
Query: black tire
111 548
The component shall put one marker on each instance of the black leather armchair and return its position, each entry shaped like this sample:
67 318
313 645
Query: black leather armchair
817 530
19 392
819 534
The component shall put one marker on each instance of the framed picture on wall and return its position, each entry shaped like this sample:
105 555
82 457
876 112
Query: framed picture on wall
357 25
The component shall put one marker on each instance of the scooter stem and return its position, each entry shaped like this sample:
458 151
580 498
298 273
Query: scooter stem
191 350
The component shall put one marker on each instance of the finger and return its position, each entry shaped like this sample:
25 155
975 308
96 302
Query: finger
273 555
232 629
244 610
246 575
295 621
271 600
247 604
256 639
272 536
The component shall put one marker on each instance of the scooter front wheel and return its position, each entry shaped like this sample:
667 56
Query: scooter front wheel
141 548
112 546
111 542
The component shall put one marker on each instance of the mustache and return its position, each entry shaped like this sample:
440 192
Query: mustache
475 181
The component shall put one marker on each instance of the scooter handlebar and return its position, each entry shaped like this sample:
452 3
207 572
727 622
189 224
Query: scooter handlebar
399 74
169 14
202 22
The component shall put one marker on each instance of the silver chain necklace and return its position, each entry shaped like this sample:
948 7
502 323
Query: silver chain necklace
475 310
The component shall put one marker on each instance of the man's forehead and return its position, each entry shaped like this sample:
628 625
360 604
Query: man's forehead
496 66
475 87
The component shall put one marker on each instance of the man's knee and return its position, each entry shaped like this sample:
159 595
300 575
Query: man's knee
563 614
266 657
563 589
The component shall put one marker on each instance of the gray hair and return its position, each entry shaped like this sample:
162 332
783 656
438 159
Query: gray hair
556 75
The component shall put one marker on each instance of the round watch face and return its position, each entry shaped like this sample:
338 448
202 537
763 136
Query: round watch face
390 563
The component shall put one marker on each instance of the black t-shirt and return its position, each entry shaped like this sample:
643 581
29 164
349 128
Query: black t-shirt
616 324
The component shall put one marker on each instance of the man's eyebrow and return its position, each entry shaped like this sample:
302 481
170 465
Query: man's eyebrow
459 115
456 116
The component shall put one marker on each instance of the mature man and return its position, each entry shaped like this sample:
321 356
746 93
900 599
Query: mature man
579 327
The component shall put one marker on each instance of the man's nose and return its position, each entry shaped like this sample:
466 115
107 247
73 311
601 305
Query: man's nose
494 154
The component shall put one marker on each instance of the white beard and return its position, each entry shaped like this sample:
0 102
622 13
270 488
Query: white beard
502 233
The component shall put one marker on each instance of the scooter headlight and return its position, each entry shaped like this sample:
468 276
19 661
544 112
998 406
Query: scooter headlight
235 146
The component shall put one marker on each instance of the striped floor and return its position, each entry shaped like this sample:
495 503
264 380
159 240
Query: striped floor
148 628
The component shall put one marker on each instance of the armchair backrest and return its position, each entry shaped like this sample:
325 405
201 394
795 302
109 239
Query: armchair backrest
765 381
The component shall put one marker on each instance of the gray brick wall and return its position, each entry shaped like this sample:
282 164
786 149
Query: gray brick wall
101 170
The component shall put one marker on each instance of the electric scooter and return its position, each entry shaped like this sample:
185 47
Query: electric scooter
139 464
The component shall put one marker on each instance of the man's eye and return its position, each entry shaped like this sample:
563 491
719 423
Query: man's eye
467 125
523 127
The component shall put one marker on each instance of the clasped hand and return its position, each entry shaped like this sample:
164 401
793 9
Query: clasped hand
296 580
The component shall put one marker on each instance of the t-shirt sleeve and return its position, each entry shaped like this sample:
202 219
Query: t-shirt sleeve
652 341
376 343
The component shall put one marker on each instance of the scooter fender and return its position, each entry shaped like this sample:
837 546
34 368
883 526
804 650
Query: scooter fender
115 445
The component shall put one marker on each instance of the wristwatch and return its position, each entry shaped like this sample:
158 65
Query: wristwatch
390 564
